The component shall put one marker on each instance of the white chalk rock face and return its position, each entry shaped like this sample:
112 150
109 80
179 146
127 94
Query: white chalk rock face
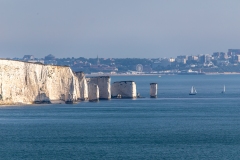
93 94
23 82
104 84
153 90
127 89
83 86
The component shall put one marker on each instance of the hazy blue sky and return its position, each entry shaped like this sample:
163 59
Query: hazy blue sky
118 28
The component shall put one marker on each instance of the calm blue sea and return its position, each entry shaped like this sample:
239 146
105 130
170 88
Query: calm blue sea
173 126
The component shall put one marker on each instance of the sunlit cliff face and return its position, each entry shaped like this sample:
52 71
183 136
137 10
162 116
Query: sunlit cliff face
23 82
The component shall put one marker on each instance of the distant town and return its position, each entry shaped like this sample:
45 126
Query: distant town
217 62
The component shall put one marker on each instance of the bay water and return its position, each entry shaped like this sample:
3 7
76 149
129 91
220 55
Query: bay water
175 125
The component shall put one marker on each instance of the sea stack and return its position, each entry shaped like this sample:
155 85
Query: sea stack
104 85
93 94
125 89
83 86
153 90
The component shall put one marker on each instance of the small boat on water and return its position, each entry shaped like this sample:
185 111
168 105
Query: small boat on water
193 91
223 91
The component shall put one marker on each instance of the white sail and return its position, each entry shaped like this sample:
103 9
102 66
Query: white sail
224 89
193 91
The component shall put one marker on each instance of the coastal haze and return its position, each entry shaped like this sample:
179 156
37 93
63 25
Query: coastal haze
112 79
117 29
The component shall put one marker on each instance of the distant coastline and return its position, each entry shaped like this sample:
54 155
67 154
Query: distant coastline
225 73
155 74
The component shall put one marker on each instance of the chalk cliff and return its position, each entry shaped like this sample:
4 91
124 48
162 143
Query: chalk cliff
126 89
23 82
82 85
93 93
104 85
153 90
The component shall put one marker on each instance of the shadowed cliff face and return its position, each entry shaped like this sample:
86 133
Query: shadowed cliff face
42 98
23 82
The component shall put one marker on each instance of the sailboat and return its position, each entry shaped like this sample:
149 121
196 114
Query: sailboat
193 91
223 91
